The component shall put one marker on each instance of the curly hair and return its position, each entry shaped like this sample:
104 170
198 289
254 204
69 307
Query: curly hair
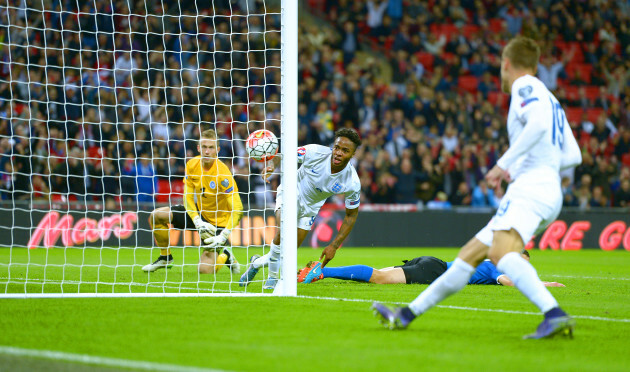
350 134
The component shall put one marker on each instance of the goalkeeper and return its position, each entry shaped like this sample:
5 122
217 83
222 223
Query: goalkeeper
215 212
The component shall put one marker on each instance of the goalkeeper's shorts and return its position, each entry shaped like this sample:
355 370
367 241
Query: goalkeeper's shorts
181 220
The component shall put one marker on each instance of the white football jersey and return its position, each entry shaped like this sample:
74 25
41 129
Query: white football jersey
316 183
540 136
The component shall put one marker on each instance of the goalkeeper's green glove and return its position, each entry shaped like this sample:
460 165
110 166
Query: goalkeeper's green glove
217 241
206 229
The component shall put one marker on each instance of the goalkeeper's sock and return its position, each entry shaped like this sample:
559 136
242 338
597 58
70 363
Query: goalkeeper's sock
227 252
525 278
275 258
168 257
359 273
165 251
454 279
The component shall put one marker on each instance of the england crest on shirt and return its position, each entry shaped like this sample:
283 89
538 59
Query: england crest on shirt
336 187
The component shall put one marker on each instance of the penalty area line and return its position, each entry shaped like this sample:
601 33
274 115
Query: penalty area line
465 308
101 361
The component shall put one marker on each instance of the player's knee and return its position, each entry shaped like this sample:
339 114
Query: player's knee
205 268
503 243
379 277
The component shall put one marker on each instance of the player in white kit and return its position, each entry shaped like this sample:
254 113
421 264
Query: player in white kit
324 172
541 144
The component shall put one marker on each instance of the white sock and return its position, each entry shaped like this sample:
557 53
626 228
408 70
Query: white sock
275 259
525 278
454 279
261 261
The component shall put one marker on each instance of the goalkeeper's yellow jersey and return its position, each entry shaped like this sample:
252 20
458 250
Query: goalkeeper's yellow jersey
216 192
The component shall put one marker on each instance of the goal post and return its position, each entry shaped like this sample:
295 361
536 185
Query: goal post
288 285
101 106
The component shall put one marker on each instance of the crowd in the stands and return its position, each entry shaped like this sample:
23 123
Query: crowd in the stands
105 104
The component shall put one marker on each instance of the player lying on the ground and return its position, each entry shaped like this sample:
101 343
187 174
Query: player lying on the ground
217 210
324 172
541 144
420 270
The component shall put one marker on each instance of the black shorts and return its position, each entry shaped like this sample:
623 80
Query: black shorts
423 270
181 220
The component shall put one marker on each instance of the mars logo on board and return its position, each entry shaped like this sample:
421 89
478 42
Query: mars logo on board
55 225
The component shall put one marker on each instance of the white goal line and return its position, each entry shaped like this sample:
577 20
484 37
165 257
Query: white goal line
589 317
101 361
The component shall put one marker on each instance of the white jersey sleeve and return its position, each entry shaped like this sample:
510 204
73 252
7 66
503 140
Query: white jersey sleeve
531 111
353 195
301 154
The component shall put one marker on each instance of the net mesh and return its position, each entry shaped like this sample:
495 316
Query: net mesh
101 105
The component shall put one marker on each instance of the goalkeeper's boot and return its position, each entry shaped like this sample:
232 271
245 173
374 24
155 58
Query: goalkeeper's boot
232 262
161 263
270 283
556 322
311 273
393 318
250 273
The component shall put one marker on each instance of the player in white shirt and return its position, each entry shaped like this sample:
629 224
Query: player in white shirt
324 172
541 144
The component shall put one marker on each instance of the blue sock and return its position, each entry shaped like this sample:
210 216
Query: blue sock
360 273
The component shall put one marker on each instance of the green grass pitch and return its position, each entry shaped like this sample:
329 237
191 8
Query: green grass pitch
329 326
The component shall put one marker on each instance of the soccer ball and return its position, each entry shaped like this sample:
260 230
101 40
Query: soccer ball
262 145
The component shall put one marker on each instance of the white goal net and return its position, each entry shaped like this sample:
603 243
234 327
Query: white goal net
102 104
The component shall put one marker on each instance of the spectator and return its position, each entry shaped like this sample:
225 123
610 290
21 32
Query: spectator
406 180
549 71
622 196
462 195
146 180
483 196
598 199
376 10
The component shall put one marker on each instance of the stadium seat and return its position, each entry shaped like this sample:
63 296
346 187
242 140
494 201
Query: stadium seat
499 99
426 59
496 24
177 192
163 191
592 91
448 30
469 30
572 92
574 114
593 114
585 71
468 83
571 47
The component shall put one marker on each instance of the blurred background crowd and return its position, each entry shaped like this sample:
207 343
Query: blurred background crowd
101 102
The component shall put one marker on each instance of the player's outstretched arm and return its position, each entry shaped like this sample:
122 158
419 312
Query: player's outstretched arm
504 280
270 166
346 226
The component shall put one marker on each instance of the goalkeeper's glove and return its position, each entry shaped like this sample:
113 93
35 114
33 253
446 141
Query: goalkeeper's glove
206 229
217 241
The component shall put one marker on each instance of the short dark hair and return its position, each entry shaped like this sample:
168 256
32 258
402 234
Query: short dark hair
350 134
525 252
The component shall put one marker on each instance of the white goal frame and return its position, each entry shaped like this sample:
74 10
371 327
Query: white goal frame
287 286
